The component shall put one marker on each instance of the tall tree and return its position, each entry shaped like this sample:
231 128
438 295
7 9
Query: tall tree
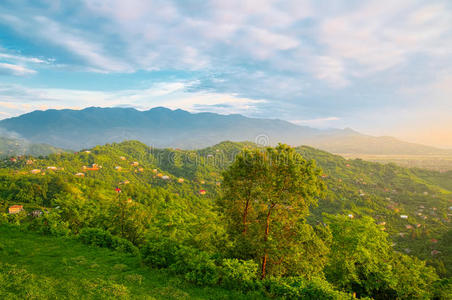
266 198
363 261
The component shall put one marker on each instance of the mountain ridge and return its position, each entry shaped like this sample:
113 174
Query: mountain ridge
163 127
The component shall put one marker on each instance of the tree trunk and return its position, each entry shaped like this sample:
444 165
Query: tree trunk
264 265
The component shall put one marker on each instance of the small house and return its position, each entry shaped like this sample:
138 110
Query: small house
15 209
135 163
122 158
36 213
35 171
350 216
180 180
165 177
79 174
435 252
403 216
202 192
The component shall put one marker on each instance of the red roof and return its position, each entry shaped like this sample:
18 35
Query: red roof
17 206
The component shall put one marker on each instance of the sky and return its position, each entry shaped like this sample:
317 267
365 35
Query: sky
381 67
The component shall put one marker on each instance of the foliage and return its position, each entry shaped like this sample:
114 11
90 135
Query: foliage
299 288
102 238
178 228
239 274
267 195
34 266
362 261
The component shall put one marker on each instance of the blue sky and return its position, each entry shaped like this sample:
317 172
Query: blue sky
381 67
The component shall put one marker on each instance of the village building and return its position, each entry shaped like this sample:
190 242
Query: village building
15 209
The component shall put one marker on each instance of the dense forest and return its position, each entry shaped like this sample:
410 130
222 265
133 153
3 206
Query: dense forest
267 222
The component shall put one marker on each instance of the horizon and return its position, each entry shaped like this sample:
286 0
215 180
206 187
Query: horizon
380 68
227 114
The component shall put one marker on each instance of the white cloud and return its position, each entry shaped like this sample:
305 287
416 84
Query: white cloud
330 69
318 122
20 58
16 70
381 34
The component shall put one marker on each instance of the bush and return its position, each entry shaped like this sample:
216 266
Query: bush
196 266
202 270
159 254
49 223
102 238
239 274
299 288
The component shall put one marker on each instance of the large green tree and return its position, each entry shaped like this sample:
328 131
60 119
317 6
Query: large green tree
363 261
266 199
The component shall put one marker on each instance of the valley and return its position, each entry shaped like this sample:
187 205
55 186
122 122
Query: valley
171 195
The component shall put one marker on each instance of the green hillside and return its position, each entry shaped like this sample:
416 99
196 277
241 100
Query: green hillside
168 198
34 266
13 147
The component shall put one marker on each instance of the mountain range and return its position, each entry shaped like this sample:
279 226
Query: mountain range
162 127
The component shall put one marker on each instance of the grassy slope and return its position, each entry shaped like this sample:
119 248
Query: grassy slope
50 267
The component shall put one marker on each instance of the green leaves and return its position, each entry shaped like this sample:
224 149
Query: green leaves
362 261
266 196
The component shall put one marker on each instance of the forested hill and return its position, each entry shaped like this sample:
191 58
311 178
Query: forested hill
178 187
162 127
14 146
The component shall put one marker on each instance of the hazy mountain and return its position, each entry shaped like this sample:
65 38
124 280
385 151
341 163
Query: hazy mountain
162 127
13 146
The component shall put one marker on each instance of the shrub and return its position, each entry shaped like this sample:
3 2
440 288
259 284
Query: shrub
299 288
196 266
102 238
202 270
159 254
239 274
49 223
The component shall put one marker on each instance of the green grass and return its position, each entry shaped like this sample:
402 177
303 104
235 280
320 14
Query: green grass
34 266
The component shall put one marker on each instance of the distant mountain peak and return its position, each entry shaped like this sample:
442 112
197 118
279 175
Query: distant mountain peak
163 127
